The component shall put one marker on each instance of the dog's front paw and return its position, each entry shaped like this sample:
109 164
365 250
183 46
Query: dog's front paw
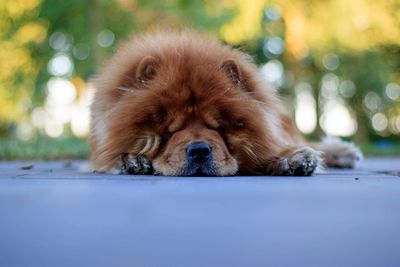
340 154
301 162
131 164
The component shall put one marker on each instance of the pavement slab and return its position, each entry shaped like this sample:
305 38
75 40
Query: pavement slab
53 215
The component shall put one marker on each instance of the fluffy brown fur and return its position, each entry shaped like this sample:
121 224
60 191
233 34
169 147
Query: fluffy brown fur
163 92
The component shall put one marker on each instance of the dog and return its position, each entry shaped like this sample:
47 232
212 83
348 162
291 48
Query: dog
182 104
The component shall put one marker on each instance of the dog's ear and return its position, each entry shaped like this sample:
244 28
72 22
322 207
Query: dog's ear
146 69
232 69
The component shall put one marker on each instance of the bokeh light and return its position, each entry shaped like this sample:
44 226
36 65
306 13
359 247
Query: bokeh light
80 117
273 72
105 38
53 127
379 122
274 46
61 95
60 42
273 12
331 61
347 88
306 111
25 130
330 86
372 101
81 51
60 65
393 91
337 119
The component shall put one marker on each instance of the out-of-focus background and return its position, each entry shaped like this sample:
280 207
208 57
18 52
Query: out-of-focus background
335 62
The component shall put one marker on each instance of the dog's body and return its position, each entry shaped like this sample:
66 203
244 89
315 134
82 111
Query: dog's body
181 104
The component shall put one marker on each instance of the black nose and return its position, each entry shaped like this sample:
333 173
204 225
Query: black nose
198 152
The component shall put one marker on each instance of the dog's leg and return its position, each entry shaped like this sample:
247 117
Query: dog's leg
297 161
131 164
339 153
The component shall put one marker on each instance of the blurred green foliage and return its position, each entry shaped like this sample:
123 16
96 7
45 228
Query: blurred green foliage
45 148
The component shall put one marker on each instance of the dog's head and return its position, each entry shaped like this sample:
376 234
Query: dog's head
192 106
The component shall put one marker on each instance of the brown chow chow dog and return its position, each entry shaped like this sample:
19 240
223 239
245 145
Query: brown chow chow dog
178 103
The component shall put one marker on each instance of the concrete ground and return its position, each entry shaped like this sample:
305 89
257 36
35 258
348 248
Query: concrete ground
51 215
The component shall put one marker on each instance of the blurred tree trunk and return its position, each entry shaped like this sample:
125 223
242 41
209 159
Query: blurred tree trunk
96 20
362 134
318 132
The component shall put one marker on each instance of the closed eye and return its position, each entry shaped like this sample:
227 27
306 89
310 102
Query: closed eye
239 124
